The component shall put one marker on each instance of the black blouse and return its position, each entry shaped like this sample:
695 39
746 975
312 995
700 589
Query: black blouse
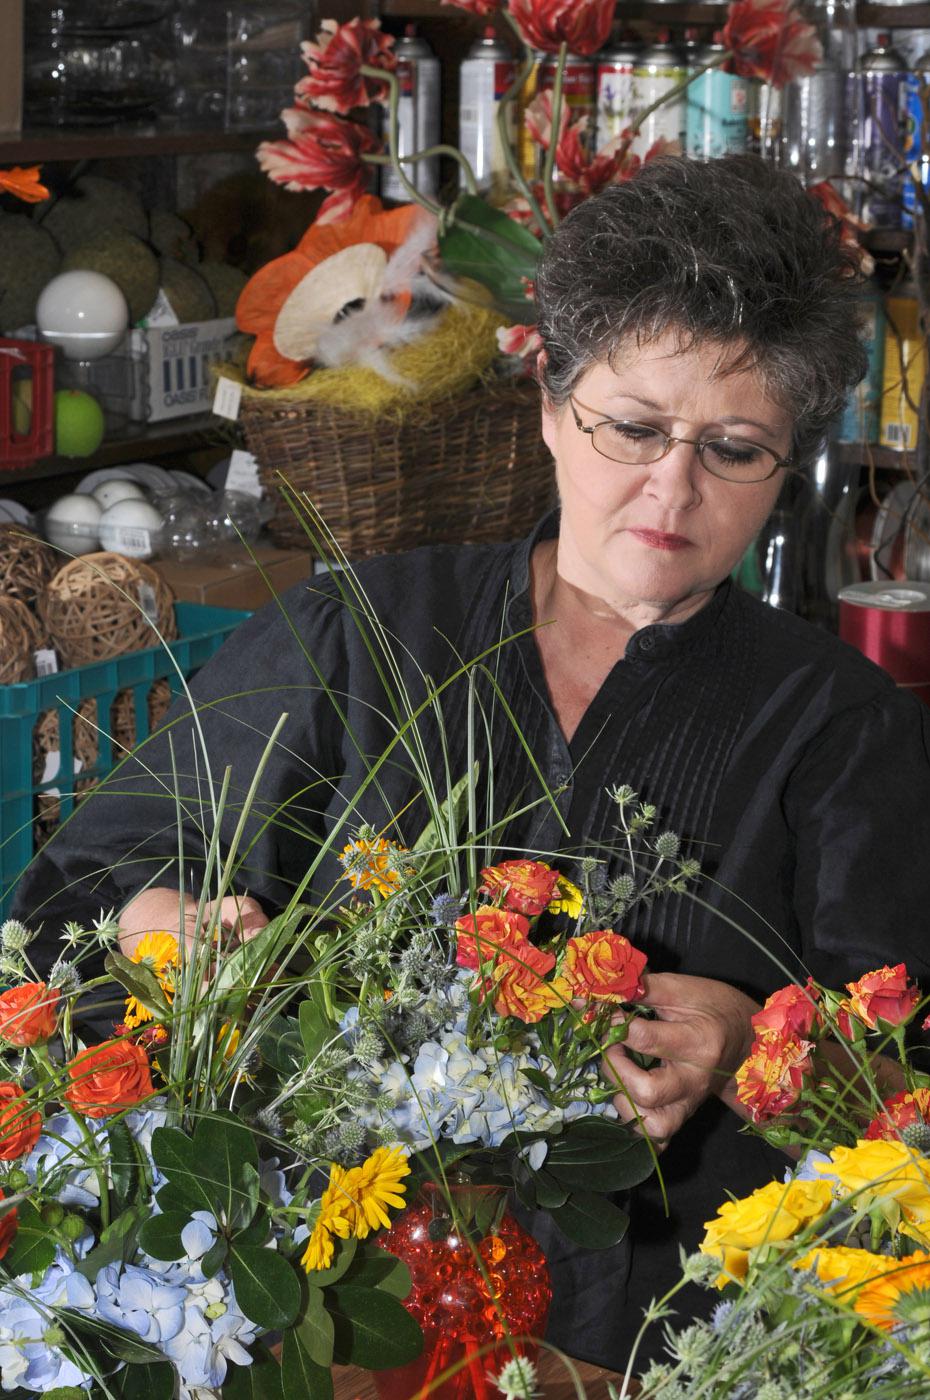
797 772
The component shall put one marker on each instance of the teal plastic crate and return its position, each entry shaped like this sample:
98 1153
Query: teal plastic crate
201 631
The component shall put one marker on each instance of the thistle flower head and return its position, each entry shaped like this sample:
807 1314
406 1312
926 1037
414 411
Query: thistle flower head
15 937
621 793
667 845
446 908
518 1379
917 1135
623 888
268 1121
65 977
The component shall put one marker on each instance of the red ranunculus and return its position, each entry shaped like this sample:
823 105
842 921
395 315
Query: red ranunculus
768 39
335 81
584 25
480 8
884 995
603 966
486 931
20 1123
791 1011
108 1078
321 152
770 1079
902 1110
527 885
28 1014
9 1224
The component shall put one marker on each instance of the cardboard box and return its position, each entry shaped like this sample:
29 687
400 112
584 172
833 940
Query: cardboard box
11 66
164 371
222 586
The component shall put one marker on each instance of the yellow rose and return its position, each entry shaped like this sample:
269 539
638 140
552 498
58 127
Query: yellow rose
774 1213
886 1172
843 1270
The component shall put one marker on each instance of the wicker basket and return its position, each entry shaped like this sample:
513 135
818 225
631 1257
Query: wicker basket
470 469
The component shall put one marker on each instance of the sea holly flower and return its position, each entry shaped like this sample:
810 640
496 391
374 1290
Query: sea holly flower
527 886
603 966
790 1012
322 151
884 996
335 81
108 1078
902 1110
584 25
20 1123
770 1079
157 951
768 39
28 1014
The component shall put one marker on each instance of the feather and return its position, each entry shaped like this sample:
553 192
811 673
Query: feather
405 263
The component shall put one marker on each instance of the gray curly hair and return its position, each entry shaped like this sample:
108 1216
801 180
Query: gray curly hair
728 252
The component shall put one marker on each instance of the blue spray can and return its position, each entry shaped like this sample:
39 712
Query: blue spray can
861 420
916 138
717 115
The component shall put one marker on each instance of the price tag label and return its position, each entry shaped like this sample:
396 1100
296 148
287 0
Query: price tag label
162 312
148 603
243 474
46 662
227 398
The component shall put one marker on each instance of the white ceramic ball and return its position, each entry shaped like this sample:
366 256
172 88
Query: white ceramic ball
131 527
72 522
109 492
84 313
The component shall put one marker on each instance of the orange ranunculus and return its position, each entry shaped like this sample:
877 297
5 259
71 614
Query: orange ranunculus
878 1300
20 1123
28 1014
902 1110
527 885
791 1011
518 986
604 966
480 935
770 1079
884 995
9 1224
108 1078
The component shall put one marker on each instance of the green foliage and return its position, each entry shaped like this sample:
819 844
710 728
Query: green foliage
500 263
139 981
372 1329
33 1247
215 1170
266 1285
260 1381
592 1221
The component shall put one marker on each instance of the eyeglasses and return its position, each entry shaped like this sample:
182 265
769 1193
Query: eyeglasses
637 444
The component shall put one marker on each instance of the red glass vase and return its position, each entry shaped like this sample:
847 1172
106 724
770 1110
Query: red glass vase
481 1292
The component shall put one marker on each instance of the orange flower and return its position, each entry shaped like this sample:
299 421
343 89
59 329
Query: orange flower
481 935
20 1124
519 988
290 301
902 1110
878 1301
604 966
884 995
768 39
24 183
527 885
28 1014
770 1080
108 1078
9 1224
792 1011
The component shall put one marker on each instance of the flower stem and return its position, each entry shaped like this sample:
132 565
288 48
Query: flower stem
555 124
41 1054
440 150
510 155
393 146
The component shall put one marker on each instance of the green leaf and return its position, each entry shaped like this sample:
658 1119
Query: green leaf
117 1241
124 1346
215 1257
33 1248
538 1077
246 1203
260 1381
435 833
160 1236
315 1028
174 1154
124 1163
500 264
154 1381
61 1392
257 1230
342 1258
592 1221
139 981
372 1329
300 1374
600 1155
378 1269
267 1288
315 1329
550 1193
227 1149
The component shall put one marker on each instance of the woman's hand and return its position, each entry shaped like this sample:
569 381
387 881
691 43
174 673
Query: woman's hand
701 1035
159 909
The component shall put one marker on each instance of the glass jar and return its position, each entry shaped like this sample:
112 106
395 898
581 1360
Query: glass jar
237 63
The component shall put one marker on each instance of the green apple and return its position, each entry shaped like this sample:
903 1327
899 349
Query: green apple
79 423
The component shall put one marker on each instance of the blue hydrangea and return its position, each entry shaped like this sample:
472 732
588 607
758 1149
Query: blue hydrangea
139 1300
27 1314
57 1162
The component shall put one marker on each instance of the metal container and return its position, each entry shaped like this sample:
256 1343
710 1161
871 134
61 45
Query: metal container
615 104
418 72
916 137
764 120
528 153
658 72
716 108
579 90
814 123
485 77
904 371
861 417
881 89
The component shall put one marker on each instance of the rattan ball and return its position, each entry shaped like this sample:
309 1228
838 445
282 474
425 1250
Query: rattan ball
26 564
95 608
19 637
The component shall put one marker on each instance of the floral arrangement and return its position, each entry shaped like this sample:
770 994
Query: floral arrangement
826 1274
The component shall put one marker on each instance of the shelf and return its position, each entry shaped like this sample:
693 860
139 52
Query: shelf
135 441
893 16
91 143
864 454
868 16
886 240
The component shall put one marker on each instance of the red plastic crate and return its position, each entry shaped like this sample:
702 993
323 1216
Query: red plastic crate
24 360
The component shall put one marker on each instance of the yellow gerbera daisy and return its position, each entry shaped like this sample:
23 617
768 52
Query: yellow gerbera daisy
368 1189
321 1245
158 951
366 864
884 1300
568 900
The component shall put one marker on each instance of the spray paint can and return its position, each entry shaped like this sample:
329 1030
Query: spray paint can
716 109
485 77
418 74
904 371
813 122
861 418
528 153
615 109
764 119
579 92
882 92
658 71
916 137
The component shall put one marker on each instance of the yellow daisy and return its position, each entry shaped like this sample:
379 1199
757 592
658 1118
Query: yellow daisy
568 900
366 864
884 1300
321 1245
158 951
368 1189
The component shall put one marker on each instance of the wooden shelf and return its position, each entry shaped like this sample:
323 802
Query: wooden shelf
867 16
92 143
864 454
135 441
893 16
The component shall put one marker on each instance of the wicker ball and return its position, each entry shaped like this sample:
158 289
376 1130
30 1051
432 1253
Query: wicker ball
19 637
94 608
26 564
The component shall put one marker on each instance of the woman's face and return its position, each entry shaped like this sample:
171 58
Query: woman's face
664 534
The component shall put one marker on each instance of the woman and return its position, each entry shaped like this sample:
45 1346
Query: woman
699 332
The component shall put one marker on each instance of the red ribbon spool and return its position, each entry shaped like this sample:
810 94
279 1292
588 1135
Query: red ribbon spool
890 624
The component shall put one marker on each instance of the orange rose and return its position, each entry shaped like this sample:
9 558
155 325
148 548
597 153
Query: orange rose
902 1110
604 966
20 1124
28 1014
791 1011
528 885
108 1078
485 931
9 1224
519 988
770 1080
884 995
